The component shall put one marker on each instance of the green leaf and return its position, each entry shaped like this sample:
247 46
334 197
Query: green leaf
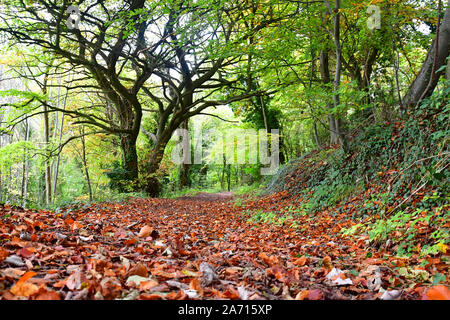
438 278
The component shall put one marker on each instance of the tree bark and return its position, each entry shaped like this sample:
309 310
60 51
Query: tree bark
326 80
338 70
185 180
85 164
425 82
129 156
48 173
24 186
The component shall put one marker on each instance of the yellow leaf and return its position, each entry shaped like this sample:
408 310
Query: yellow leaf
442 247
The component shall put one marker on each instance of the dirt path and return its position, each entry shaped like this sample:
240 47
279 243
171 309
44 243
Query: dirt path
197 247
205 196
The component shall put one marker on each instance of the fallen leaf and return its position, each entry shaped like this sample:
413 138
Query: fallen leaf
15 261
439 292
139 269
147 285
338 278
23 287
300 261
145 231
208 272
391 295
195 285
3 254
326 262
48 295
315 294
302 295
136 280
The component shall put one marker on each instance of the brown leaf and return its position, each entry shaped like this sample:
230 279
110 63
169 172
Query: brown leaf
3 254
315 294
145 231
48 295
148 296
12 272
326 262
139 270
300 261
73 282
23 287
195 285
147 285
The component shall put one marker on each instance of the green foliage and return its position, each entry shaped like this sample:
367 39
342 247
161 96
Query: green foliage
119 178
269 217
14 153
255 189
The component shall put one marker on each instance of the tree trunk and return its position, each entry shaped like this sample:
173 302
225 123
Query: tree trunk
61 127
24 187
86 170
129 153
426 81
185 180
326 80
48 173
153 185
316 136
337 76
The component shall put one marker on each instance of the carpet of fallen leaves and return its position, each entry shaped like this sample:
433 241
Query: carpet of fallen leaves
195 248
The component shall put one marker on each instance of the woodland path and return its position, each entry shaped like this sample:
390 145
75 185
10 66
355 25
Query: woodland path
200 247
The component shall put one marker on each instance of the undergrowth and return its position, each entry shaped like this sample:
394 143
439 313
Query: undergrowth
398 174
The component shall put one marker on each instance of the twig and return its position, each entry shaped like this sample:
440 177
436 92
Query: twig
412 194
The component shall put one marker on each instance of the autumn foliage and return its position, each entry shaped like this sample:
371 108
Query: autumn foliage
195 248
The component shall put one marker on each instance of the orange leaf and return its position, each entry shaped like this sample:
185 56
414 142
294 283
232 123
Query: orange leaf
24 252
195 285
3 254
300 261
49 295
26 276
146 285
130 242
24 288
163 274
139 270
147 296
60 284
69 221
439 292
302 295
327 263
272 260
145 231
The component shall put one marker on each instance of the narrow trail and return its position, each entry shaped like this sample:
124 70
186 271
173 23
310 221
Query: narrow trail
205 196
199 247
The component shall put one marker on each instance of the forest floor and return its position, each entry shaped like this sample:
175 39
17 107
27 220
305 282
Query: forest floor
200 247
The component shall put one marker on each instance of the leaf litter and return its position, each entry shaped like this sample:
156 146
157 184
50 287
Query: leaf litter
191 248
